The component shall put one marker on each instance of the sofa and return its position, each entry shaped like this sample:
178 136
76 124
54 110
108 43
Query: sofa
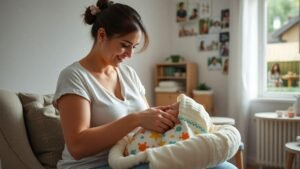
30 132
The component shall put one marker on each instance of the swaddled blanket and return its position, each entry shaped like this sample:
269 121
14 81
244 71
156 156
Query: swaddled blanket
191 123
213 145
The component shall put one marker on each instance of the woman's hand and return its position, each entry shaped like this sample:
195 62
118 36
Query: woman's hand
156 119
172 109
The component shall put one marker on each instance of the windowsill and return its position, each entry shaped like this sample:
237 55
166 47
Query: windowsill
274 100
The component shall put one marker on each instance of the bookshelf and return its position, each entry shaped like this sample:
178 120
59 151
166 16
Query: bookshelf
183 73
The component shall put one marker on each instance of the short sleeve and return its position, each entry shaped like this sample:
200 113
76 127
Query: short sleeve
71 81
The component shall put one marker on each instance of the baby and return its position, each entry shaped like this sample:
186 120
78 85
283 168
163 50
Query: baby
189 126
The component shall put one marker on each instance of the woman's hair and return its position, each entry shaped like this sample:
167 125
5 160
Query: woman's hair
273 68
116 19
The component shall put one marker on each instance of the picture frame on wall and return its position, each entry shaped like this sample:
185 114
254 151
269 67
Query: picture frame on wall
204 25
225 18
181 10
224 48
205 9
215 26
225 65
214 63
188 29
224 43
193 10
224 37
207 43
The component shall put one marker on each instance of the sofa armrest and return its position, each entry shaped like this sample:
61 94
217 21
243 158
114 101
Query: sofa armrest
15 149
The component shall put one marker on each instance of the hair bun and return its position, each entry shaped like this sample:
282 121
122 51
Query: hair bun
89 18
103 4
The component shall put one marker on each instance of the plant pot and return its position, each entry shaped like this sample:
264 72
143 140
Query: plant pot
203 92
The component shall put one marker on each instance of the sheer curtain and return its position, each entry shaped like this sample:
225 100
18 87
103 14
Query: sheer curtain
243 62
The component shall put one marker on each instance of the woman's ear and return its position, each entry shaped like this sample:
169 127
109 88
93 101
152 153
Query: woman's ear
101 35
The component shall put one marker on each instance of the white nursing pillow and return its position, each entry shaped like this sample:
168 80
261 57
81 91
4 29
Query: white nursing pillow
202 151
217 145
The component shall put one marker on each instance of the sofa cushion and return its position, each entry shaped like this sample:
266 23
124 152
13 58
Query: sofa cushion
43 127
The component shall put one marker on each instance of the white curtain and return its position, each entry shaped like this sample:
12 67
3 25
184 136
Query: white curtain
243 62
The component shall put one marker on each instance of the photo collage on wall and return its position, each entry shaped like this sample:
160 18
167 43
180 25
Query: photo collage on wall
194 18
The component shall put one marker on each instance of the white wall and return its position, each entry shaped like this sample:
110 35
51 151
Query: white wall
187 47
38 38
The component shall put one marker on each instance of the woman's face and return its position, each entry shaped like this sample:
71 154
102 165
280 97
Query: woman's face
116 49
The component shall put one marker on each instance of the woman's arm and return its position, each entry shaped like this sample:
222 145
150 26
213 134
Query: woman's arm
83 141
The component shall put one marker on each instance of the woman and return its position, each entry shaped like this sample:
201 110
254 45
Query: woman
274 76
100 100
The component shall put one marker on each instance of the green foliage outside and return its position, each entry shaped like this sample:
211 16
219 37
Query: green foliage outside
283 9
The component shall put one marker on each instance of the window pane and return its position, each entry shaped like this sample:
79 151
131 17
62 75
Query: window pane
282 49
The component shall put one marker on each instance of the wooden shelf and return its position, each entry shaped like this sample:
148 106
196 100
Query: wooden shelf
184 73
171 77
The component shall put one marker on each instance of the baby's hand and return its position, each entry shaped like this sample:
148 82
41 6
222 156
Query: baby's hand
173 110
175 106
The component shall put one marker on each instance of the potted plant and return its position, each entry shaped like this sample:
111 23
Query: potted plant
175 58
202 88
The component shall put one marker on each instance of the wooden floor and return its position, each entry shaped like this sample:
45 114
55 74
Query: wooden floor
256 167
252 167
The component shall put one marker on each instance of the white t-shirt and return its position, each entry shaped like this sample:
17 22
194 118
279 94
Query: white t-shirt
105 107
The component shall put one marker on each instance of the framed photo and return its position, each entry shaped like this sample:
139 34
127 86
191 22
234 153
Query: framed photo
224 49
181 12
193 9
215 26
224 44
214 63
204 25
224 37
225 16
225 65
205 8
207 43
187 30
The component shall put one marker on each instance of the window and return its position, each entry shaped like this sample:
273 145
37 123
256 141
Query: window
280 58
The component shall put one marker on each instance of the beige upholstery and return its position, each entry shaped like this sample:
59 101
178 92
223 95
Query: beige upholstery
43 128
15 148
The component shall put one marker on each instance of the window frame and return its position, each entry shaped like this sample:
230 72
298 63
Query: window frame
262 66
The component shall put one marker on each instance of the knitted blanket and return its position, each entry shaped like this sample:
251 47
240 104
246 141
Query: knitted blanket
216 145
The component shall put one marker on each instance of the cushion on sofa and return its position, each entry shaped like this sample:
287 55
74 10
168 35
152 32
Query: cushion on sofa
43 127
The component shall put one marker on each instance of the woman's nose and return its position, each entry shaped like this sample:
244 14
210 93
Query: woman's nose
129 52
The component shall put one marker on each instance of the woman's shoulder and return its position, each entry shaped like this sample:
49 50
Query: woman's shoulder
71 70
74 67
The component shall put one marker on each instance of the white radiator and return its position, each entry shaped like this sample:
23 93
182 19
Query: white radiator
271 135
